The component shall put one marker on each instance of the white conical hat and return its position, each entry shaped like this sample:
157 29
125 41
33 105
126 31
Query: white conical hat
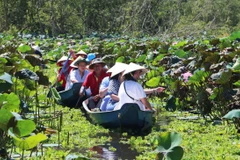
134 67
74 64
62 59
117 68
81 53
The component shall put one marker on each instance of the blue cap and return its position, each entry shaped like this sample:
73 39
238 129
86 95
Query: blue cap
90 57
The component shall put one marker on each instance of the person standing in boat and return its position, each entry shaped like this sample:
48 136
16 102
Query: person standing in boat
110 100
93 81
78 74
131 91
63 72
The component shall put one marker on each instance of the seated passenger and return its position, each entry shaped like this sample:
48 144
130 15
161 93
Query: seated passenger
130 90
78 74
111 98
94 80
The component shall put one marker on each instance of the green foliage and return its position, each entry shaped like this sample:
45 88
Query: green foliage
9 102
135 17
153 82
6 116
29 142
236 66
24 128
24 48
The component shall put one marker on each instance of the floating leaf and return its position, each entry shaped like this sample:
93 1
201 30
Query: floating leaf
6 77
120 59
169 146
153 82
180 44
237 83
5 117
24 48
222 77
198 77
180 53
141 58
235 35
9 102
175 154
235 113
236 65
159 57
24 127
28 143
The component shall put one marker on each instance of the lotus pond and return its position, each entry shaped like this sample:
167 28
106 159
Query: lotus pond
197 117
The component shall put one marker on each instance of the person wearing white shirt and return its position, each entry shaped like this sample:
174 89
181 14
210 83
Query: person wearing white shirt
131 91
78 74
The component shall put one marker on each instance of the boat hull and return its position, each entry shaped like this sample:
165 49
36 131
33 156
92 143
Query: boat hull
129 116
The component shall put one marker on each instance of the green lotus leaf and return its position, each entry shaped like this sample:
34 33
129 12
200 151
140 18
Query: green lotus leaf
235 113
168 146
24 48
141 58
6 77
236 66
237 83
153 82
9 102
29 142
175 154
234 35
180 53
6 116
120 59
24 127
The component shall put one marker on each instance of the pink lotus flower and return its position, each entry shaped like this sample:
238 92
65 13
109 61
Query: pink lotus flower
186 76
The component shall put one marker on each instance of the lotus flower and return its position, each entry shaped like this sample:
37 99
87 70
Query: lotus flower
186 76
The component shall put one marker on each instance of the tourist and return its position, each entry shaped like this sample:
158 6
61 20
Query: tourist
131 91
78 74
94 80
110 100
63 71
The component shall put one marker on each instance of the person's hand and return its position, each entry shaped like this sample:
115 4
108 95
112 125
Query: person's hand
81 94
159 89
58 77
96 98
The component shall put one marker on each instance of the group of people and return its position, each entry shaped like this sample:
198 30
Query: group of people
106 89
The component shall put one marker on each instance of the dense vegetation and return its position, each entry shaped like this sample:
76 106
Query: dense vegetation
135 17
201 76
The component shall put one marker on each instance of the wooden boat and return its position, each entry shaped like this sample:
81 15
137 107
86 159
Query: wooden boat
70 97
129 116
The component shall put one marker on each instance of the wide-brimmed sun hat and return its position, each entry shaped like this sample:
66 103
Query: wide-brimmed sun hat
134 67
96 61
117 68
90 57
81 53
62 59
76 62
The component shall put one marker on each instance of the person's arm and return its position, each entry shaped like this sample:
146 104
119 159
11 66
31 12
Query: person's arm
73 76
82 90
103 92
85 86
114 97
103 87
146 103
154 90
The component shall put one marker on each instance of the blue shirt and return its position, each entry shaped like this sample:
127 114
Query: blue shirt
105 83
